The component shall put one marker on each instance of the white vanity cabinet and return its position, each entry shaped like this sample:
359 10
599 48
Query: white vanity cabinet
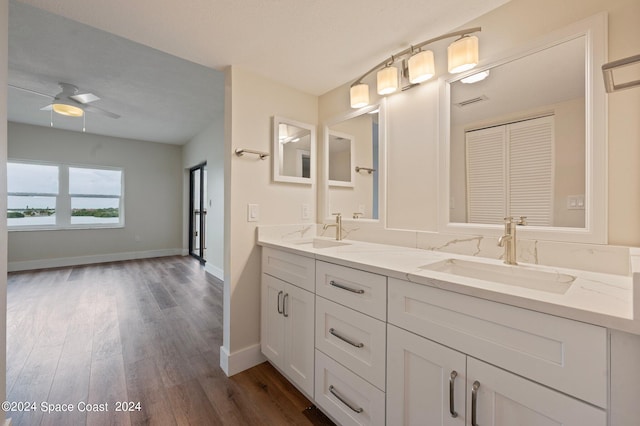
524 363
287 316
350 344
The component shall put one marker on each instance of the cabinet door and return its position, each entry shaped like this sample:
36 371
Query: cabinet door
420 382
504 399
272 320
299 315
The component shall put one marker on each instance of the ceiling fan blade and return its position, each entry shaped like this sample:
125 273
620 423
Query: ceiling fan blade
90 108
84 98
31 91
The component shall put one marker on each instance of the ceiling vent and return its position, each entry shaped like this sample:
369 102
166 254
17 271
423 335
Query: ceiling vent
471 101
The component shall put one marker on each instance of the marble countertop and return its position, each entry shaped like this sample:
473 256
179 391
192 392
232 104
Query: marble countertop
602 299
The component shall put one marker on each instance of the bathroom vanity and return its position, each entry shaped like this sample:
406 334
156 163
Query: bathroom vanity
378 334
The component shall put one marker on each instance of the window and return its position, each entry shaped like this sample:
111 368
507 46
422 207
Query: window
45 196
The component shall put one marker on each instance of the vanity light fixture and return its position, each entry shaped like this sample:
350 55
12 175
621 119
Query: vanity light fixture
462 55
387 79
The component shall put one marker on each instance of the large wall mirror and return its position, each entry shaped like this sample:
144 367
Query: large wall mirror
294 147
528 138
353 159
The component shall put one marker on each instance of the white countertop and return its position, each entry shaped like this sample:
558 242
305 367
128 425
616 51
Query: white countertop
602 299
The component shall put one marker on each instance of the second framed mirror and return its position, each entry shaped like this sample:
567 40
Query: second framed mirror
354 161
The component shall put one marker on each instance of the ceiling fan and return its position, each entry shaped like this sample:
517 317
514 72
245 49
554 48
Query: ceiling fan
71 102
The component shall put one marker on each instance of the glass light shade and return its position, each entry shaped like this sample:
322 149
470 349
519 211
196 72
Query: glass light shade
421 67
68 110
359 95
387 80
474 78
463 54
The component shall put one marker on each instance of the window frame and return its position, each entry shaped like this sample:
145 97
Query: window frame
63 198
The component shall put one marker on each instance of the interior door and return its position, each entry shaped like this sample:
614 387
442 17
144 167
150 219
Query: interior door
198 211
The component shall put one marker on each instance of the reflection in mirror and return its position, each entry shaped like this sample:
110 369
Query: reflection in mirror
360 199
517 141
341 158
547 88
293 148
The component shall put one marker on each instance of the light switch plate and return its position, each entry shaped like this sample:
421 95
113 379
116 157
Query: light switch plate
305 211
253 212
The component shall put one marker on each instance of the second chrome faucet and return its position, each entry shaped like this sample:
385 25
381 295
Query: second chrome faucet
508 240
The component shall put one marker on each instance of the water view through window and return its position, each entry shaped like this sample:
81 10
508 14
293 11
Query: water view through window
36 198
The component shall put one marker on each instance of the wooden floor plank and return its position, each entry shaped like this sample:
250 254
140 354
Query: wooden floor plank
146 331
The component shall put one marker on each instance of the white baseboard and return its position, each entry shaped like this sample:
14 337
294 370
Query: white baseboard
240 360
214 270
86 260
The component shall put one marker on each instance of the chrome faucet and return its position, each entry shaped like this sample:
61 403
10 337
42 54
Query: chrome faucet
338 226
508 240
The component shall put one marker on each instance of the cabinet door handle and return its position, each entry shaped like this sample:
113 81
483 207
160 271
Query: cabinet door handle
279 298
452 408
284 305
344 287
345 339
344 401
474 402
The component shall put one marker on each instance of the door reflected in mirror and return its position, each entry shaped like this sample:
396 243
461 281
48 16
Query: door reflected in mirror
294 151
352 155
517 141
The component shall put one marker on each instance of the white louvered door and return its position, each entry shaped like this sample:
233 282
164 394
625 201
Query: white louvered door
510 172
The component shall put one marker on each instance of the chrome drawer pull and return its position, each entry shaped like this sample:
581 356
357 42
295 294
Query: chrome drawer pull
284 305
452 408
341 399
344 287
474 402
344 339
279 298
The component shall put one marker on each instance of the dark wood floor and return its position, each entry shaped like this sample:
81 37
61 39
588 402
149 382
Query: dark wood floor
146 331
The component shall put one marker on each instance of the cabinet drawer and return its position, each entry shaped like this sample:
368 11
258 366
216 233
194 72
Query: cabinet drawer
564 354
359 290
355 340
289 267
347 398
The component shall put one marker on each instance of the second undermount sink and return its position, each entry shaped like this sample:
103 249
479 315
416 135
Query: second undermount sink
318 243
552 282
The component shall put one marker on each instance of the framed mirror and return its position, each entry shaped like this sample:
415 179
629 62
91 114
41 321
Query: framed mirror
294 147
340 159
527 137
354 164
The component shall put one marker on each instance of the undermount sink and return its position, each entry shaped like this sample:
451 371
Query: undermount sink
320 244
552 282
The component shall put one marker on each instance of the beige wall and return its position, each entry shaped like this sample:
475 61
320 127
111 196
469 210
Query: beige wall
251 102
412 141
153 194
4 35
208 146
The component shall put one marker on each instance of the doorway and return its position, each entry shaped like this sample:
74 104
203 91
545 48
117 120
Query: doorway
198 211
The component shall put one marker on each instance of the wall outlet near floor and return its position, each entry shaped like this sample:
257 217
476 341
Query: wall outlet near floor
253 212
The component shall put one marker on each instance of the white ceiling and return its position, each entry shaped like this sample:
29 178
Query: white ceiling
311 45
